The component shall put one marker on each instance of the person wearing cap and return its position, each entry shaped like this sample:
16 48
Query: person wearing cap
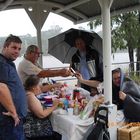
11 127
29 66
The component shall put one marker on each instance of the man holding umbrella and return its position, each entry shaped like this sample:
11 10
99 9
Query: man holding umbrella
86 60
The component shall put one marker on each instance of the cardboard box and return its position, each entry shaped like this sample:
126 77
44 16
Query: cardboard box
129 132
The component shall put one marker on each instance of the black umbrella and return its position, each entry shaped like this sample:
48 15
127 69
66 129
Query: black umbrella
62 45
72 34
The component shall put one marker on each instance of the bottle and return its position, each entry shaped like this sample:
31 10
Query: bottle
76 94
76 107
66 104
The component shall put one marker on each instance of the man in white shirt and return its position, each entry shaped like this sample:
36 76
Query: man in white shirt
28 66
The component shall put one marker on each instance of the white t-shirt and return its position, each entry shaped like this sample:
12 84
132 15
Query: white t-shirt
27 68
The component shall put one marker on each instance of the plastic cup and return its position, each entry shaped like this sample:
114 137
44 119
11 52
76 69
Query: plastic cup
70 111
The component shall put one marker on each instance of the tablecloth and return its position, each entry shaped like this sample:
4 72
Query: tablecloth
70 126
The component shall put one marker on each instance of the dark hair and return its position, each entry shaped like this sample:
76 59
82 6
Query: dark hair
31 81
80 37
11 38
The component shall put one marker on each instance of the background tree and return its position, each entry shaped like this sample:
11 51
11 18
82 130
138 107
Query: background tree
125 34
28 39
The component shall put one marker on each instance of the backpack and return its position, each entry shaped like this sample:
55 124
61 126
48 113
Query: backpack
100 128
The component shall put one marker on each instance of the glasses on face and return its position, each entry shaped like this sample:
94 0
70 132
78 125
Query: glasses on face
38 53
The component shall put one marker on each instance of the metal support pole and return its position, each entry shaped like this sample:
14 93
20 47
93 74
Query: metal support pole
105 9
38 14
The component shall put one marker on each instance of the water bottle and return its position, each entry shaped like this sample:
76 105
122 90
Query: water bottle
66 104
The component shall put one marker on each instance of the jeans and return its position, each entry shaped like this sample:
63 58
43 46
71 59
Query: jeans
9 132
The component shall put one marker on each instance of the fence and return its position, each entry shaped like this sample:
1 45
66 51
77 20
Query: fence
128 67
125 66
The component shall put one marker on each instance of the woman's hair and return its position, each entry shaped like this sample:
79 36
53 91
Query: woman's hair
31 81
117 70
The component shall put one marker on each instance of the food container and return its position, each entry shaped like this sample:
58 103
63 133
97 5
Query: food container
129 132
76 94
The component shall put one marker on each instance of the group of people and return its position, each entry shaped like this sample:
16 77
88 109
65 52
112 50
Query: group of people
18 88
13 88
125 92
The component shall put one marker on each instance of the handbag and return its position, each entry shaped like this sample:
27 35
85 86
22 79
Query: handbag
100 128
36 127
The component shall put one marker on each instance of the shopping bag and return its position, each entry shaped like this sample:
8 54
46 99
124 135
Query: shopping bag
100 129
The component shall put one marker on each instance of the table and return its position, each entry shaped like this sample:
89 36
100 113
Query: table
70 126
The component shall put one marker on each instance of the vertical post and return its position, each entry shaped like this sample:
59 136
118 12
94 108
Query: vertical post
105 9
39 41
38 13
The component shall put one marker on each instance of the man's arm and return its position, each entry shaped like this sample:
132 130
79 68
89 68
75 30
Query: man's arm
7 103
53 73
92 83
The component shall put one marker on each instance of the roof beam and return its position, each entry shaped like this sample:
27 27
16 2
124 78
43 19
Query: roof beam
52 4
74 4
67 17
70 10
5 5
113 13
78 14
62 8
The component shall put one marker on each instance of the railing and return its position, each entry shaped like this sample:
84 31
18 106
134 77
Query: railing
125 66
130 70
128 67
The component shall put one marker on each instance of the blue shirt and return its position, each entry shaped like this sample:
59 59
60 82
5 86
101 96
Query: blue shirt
83 67
9 76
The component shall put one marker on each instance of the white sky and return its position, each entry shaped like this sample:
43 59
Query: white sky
17 22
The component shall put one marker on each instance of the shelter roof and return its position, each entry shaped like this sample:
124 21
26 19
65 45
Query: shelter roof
77 11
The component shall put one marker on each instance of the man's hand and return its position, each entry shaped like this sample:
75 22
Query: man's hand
7 102
79 77
66 72
14 116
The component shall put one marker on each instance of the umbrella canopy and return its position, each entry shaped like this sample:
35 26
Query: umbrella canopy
72 34
62 45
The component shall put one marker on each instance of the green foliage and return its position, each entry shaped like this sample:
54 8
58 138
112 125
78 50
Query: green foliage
125 30
135 77
125 33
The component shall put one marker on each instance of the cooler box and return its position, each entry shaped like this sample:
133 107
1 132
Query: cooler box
129 132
